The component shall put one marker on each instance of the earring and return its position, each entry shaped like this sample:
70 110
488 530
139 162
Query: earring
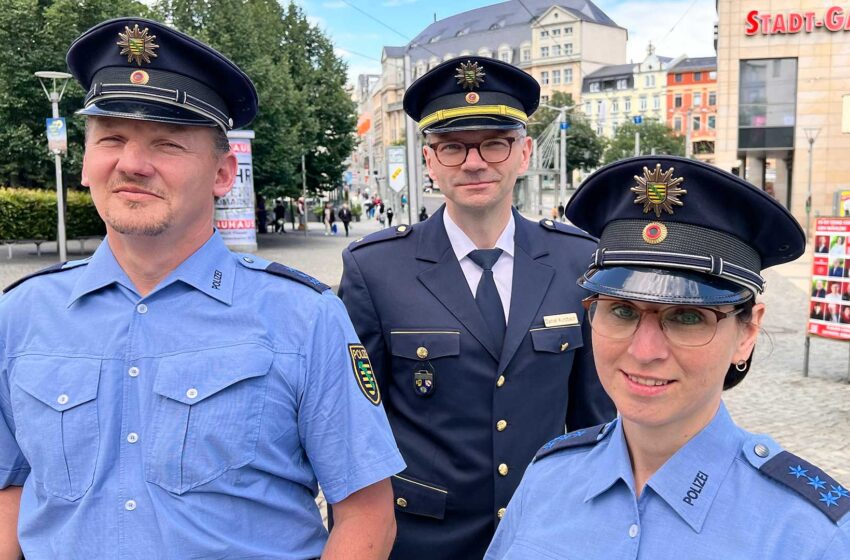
741 365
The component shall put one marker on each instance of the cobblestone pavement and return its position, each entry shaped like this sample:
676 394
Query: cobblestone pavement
810 416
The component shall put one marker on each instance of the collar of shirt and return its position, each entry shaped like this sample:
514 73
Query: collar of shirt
211 269
689 481
462 245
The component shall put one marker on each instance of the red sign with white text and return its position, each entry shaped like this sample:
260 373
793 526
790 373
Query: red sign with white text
829 306
835 18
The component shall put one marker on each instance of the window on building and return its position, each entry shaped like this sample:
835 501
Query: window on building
526 54
656 102
677 124
695 122
615 105
697 76
677 100
712 122
599 130
622 84
568 30
556 76
712 75
643 105
649 80
544 98
505 55
600 106
556 32
544 33
556 50
588 108
568 75
627 106
677 77
544 78
712 98
594 86
697 98
544 52
568 48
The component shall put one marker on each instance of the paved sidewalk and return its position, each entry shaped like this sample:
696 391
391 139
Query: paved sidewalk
809 416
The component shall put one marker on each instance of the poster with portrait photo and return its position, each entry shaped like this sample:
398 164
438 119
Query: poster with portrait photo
829 303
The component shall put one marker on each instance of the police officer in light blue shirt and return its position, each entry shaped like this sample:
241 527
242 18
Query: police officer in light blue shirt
153 405
674 322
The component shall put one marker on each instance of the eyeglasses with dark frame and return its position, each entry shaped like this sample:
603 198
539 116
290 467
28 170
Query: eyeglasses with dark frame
452 153
682 325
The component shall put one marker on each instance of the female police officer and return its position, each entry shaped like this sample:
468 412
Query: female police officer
674 323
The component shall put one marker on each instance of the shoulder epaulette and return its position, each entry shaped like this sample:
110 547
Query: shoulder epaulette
287 272
396 232
561 227
58 267
578 438
814 485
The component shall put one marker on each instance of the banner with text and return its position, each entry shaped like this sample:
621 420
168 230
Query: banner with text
829 306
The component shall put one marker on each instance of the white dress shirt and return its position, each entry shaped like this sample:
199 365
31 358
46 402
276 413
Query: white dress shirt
503 270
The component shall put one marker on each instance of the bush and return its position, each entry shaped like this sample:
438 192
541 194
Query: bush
31 214
356 210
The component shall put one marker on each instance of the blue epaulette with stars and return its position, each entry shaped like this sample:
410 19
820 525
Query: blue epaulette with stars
383 235
58 267
578 438
810 482
561 227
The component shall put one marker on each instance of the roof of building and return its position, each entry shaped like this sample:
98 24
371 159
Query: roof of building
394 52
612 71
700 63
507 22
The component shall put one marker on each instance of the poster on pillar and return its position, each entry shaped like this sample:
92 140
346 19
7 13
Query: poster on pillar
396 165
829 305
234 212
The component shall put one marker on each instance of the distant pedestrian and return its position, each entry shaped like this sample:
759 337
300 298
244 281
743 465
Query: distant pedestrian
262 216
345 217
423 214
292 212
279 216
554 213
403 202
328 217
561 211
390 217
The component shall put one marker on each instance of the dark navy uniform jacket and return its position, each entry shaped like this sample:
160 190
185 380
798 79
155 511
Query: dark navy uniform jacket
467 419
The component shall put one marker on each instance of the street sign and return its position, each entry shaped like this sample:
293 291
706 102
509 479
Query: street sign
396 164
637 119
565 126
57 136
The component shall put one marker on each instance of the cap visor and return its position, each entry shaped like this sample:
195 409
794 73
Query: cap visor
474 123
659 285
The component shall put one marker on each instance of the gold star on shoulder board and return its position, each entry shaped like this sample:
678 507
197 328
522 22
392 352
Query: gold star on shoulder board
469 75
658 190
137 45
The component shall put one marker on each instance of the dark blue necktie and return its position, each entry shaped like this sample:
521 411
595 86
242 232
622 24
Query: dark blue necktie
487 296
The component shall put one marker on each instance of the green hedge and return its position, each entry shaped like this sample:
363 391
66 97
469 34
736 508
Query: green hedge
31 214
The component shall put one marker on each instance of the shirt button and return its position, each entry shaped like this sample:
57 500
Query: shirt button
503 469
248 260
633 531
401 502
130 505
501 513
192 393
133 371
63 399
501 425
500 381
132 437
142 308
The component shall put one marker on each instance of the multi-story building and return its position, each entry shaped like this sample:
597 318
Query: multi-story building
692 104
617 93
782 90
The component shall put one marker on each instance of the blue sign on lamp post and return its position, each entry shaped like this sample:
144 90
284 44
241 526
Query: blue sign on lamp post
638 119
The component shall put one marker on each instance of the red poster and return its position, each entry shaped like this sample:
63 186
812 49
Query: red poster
829 307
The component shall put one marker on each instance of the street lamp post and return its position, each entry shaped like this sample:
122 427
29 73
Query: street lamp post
811 136
54 97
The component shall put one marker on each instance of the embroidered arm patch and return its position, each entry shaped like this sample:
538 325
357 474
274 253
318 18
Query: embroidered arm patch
364 374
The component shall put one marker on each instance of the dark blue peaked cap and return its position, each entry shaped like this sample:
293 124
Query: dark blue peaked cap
141 69
676 230
472 92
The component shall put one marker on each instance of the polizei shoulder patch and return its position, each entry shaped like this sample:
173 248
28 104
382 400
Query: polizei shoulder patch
364 374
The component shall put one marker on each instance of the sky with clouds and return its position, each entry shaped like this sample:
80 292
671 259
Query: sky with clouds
360 28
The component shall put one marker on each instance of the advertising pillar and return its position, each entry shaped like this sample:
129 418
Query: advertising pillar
234 213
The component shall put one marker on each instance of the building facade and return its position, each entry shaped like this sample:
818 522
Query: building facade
783 86
692 104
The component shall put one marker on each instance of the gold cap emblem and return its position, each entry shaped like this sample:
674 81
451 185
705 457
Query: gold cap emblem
472 98
137 45
469 75
654 233
658 190
139 77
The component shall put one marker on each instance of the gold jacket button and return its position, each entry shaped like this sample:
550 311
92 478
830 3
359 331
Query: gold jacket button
503 469
501 425
501 513
401 229
401 502
500 381
422 352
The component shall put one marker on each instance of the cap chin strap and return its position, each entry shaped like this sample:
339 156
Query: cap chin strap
476 111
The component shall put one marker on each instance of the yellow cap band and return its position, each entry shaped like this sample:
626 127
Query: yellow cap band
478 110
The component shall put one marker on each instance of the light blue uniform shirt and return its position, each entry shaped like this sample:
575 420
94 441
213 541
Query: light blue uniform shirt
709 501
194 422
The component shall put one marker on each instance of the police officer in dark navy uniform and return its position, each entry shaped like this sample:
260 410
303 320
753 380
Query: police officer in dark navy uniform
472 318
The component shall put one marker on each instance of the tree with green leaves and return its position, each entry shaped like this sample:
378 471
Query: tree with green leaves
655 137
